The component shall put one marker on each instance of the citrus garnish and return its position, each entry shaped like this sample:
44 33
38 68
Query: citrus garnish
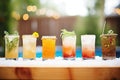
35 34
65 33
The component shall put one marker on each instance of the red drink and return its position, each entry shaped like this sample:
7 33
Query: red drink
68 52
88 52
88 46
68 44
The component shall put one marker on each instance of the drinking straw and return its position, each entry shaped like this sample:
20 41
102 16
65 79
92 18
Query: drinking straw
104 27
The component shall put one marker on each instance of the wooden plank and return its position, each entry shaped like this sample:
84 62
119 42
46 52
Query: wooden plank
59 73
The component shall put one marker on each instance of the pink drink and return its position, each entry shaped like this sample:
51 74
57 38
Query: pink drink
88 46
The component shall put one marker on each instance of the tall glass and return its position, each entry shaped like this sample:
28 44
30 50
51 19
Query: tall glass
11 46
88 46
108 42
69 47
29 47
48 47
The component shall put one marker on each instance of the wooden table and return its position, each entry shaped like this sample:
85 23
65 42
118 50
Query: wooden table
60 69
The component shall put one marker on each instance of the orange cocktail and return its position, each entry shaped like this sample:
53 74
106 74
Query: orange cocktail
88 46
48 47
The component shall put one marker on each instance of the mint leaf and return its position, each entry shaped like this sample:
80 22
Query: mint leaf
6 33
66 33
110 32
12 44
16 33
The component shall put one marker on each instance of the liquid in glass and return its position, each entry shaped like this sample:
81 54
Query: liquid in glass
29 47
108 42
88 46
69 47
11 46
48 47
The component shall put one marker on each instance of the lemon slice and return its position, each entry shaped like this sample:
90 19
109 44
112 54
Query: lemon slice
35 34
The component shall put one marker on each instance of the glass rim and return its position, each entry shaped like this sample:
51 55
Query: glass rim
48 37
108 35
88 35
28 36
12 36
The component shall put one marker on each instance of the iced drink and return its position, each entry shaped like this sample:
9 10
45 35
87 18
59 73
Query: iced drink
108 42
69 47
68 44
29 47
48 47
88 46
11 46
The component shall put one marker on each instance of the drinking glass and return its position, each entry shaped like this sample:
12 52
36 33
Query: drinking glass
11 46
29 47
69 47
48 47
88 46
108 42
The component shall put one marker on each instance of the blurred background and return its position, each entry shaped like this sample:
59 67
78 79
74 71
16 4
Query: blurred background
48 17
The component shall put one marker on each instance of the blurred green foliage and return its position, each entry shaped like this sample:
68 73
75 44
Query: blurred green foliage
21 5
7 21
91 24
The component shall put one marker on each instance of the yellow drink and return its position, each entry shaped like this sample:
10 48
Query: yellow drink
29 47
48 47
11 46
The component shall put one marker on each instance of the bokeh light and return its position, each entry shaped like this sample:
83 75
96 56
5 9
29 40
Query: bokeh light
16 15
25 17
31 8
117 10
